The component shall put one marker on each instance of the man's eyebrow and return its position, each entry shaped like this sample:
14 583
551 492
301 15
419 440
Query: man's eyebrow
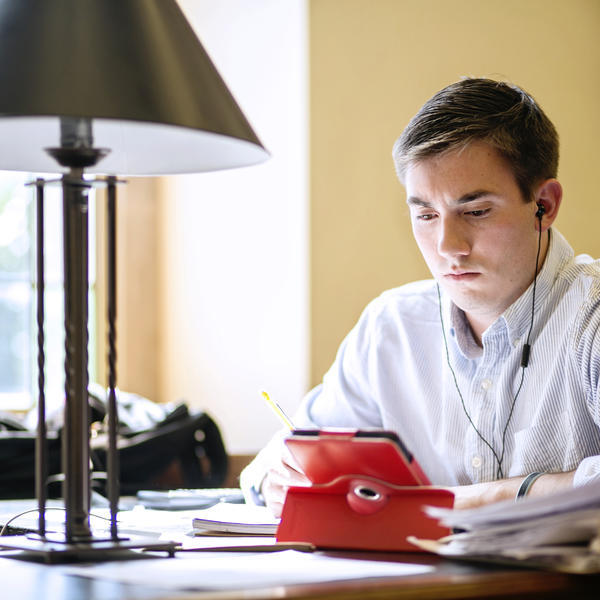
465 198
472 196
415 201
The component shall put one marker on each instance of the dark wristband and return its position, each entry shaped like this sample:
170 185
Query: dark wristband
526 484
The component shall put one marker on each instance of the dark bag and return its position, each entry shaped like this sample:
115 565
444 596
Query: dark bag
184 449
17 460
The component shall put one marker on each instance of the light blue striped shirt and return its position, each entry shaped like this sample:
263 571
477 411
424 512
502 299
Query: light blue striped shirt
391 372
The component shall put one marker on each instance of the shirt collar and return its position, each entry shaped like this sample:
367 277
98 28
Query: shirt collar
459 329
517 317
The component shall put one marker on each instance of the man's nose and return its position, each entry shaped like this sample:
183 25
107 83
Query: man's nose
452 239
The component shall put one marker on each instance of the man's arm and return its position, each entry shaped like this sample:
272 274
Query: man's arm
478 494
267 478
281 475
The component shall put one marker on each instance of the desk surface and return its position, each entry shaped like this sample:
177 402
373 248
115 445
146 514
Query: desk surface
450 580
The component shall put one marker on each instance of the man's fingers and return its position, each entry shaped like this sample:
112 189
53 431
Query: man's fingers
276 483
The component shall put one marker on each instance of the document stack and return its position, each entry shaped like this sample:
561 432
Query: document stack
559 532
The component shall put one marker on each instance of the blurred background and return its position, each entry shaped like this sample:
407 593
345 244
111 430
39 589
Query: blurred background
235 282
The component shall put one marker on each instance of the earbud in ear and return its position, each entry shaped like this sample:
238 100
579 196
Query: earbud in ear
540 211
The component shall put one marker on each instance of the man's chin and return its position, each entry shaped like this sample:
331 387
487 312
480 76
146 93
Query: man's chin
465 297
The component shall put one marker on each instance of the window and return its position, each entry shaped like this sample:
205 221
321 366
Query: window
18 307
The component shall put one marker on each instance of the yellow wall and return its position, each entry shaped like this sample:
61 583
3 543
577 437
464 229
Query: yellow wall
373 63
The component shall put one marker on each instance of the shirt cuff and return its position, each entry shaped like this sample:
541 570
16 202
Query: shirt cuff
252 476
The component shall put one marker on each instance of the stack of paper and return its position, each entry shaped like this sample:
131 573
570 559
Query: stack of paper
561 531
236 518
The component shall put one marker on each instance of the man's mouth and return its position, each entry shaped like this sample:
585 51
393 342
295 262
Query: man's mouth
461 276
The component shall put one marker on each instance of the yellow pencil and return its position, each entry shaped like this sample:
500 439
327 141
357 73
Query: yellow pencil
278 411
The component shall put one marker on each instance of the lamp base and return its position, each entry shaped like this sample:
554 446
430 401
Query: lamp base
50 551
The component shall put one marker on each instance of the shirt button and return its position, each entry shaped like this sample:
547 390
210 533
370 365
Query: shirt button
486 384
476 462
516 342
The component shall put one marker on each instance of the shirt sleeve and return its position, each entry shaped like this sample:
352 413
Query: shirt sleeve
588 354
343 399
346 397
252 476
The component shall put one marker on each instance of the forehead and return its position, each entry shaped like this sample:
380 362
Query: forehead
457 172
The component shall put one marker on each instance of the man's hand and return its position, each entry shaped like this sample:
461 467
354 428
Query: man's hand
478 494
277 481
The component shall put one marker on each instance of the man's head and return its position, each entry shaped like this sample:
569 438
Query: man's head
500 114
475 162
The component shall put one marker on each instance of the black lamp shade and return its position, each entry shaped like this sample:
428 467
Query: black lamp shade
135 68
117 87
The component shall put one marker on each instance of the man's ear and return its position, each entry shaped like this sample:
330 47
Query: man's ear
548 195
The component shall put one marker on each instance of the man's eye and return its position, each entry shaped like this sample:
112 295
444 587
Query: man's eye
426 217
478 213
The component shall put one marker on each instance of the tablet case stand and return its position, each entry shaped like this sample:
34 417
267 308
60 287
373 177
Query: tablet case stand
357 510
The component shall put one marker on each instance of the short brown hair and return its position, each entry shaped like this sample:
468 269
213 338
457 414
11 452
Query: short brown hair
501 114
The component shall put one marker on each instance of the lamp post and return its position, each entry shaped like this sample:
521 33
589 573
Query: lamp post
109 87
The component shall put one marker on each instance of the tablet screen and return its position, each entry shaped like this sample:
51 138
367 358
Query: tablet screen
325 454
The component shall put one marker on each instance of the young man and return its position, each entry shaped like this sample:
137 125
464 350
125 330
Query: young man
490 372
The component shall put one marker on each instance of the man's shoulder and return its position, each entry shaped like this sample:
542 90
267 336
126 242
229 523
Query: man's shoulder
573 267
576 295
587 267
415 300
582 274
415 290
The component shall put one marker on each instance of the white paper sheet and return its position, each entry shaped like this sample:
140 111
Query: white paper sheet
232 571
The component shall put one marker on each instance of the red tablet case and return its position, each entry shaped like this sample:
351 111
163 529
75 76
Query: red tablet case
367 492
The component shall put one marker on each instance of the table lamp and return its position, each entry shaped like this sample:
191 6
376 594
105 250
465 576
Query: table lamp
106 87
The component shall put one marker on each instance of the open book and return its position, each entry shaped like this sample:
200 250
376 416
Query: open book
236 519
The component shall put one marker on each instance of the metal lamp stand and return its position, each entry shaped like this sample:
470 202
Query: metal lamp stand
76 153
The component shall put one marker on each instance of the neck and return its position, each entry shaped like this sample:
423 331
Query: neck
479 322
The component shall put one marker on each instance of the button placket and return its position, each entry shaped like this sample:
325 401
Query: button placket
476 462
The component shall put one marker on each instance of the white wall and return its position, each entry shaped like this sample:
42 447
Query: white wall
234 244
